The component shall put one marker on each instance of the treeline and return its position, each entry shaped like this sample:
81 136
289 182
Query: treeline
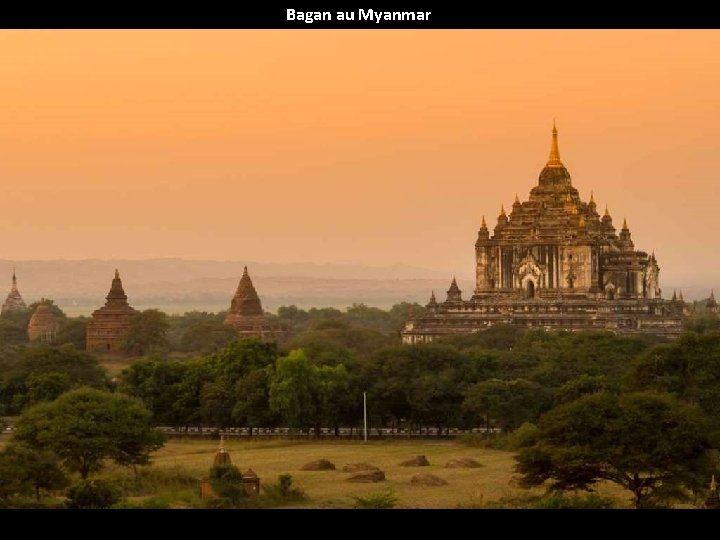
154 332
500 378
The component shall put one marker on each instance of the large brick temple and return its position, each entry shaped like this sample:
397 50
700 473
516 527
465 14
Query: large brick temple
246 314
110 324
553 262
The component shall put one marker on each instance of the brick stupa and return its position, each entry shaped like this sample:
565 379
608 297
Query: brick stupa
246 314
13 302
110 324
43 325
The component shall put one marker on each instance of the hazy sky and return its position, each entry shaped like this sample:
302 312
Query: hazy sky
376 147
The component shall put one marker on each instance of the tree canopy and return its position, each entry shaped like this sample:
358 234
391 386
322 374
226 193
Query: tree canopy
649 443
86 426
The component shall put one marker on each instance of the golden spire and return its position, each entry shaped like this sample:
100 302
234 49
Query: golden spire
554 159
607 212
517 200
483 225
625 223
502 210
592 200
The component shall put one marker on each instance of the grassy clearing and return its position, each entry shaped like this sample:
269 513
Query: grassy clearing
172 482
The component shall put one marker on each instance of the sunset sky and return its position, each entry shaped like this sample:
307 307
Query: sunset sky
373 147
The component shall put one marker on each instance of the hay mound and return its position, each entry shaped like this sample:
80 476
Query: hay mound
462 463
417 461
359 467
427 480
319 465
368 476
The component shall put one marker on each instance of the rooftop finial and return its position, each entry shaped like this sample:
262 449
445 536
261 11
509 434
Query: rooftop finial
245 270
625 223
607 212
592 199
554 159
517 199
117 274
14 278
483 225
502 210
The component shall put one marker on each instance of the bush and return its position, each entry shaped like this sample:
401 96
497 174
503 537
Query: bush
495 441
383 500
226 481
283 492
553 500
523 436
92 494
575 501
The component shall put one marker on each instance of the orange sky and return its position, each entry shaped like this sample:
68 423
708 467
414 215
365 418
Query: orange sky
376 147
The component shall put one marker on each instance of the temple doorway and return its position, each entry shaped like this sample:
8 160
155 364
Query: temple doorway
530 289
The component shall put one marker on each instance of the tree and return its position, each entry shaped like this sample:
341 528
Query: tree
688 368
45 366
46 386
72 331
148 329
649 443
293 389
226 481
508 402
92 494
207 337
24 470
86 426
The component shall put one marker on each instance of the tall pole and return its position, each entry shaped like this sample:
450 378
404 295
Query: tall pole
365 413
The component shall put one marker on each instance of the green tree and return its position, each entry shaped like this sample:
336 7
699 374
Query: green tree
252 400
207 337
649 443
148 330
86 426
226 481
46 386
72 331
510 403
17 365
293 390
24 471
92 494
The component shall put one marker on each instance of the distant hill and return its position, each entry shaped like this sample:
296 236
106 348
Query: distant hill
178 285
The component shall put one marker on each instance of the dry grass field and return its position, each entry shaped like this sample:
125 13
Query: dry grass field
171 482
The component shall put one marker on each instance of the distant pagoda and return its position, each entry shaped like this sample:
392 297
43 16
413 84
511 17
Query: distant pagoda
43 325
110 324
246 314
13 302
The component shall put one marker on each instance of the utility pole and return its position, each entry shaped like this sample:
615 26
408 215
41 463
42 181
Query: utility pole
365 413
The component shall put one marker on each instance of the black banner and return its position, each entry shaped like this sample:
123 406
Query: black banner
304 17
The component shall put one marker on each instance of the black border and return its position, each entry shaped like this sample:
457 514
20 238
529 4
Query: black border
495 15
